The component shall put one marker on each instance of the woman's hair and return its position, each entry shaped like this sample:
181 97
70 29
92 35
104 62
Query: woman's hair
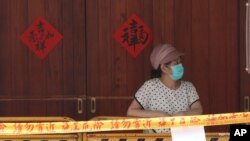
156 73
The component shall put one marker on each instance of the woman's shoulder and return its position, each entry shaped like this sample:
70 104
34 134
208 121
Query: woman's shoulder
152 81
187 83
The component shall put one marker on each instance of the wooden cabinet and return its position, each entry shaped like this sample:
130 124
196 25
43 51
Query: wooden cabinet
89 64
244 75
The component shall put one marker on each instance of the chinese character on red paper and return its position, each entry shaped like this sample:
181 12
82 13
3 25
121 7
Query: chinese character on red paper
41 37
134 35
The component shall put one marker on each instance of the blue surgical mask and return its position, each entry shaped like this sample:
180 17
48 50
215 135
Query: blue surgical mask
177 72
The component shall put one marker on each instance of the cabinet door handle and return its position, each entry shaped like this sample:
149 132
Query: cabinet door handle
92 104
246 103
79 105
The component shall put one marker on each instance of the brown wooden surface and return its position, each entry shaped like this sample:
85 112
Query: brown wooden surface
200 54
61 74
183 33
89 62
207 31
223 56
244 76
111 70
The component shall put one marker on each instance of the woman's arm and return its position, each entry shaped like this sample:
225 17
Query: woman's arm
196 109
135 110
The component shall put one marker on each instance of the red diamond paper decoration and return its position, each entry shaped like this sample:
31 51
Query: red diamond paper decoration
134 35
41 37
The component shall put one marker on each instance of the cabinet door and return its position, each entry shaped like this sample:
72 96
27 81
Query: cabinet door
244 75
54 82
203 31
89 63
107 106
113 75
65 107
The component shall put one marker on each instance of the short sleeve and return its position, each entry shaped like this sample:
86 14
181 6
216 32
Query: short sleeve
192 94
143 94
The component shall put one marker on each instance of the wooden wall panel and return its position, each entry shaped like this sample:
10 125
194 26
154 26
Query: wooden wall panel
61 75
5 80
88 62
118 106
233 58
13 67
244 76
79 44
15 56
148 19
112 72
37 69
205 30
199 49
68 48
217 42
223 65
135 73
93 61
183 32
163 21
53 63
105 50
119 77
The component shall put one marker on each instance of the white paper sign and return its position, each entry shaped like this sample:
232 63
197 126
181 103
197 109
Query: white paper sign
191 133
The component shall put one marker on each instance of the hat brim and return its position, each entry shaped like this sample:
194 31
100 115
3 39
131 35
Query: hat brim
171 57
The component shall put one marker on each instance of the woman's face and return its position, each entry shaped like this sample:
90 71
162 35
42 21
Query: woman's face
174 62
174 69
166 68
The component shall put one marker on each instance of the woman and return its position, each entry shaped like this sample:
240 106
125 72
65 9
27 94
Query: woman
165 94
